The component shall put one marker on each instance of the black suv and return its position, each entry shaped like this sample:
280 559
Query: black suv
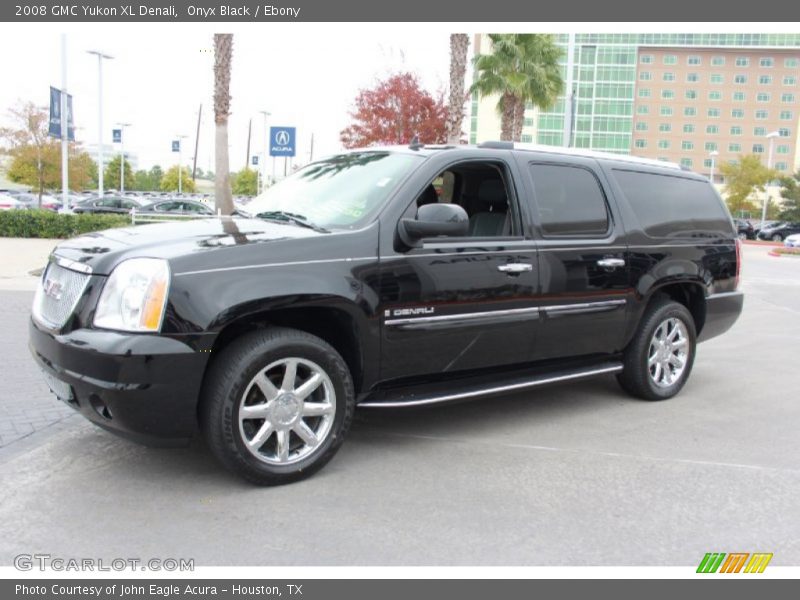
387 278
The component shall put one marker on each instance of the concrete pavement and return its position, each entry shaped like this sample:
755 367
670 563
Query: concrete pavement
20 256
575 474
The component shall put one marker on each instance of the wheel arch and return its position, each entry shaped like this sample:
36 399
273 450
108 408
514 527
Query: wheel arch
690 294
339 322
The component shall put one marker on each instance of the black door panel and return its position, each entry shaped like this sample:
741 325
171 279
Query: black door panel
457 309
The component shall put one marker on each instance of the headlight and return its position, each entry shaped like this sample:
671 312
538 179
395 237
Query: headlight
134 296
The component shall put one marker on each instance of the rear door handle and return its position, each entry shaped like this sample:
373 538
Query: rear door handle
611 263
515 268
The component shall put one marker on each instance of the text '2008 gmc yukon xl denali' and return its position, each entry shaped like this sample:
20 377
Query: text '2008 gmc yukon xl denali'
385 278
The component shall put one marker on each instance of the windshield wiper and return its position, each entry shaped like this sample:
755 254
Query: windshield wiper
282 215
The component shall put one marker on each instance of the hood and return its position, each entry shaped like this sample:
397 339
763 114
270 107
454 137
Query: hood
103 250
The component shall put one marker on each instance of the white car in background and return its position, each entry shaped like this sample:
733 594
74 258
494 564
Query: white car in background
8 202
792 241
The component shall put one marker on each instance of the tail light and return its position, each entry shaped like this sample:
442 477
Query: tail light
738 263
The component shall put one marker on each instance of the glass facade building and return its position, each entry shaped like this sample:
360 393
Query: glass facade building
605 87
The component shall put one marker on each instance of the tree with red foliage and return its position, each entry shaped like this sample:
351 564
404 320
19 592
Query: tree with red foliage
393 112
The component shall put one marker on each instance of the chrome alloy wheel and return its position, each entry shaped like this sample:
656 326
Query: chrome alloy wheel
287 411
668 352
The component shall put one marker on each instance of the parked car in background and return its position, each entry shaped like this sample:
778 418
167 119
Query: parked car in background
176 207
31 200
108 205
792 241
779 231
744 229
10 202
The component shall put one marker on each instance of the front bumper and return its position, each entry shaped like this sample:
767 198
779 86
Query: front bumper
140 386
722 311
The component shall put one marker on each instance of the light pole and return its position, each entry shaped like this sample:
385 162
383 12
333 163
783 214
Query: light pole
180 160
771 137
122 127
100 57
264 157
713 154
64 128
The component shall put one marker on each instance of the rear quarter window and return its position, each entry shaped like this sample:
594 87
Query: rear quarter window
669 206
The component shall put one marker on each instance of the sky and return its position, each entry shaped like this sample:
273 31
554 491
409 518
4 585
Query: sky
305 75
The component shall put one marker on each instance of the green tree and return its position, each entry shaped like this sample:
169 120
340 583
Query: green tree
245 182
522 68
36 158
111 178
169 182
790 192
146 181
743 181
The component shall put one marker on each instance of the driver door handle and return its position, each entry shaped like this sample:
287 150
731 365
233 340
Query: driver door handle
515 268
611 263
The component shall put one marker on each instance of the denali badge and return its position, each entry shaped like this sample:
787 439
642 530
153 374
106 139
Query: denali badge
405 312
53 288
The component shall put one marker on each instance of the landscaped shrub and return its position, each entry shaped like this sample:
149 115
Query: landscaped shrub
49 224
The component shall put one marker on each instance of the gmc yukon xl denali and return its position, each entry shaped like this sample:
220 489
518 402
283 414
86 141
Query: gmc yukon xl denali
387 277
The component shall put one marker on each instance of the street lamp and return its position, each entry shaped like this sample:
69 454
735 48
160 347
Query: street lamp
180 160
713 154
771 137
100 57
264 157
122 127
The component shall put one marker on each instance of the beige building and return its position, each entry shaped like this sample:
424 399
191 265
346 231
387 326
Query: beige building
694 106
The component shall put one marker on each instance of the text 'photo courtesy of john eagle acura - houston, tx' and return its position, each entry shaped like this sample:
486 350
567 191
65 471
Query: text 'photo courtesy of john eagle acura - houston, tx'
387 277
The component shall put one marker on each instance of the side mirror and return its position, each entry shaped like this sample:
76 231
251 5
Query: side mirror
434 220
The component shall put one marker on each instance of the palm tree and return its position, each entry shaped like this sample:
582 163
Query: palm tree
459 44
522 69
223 53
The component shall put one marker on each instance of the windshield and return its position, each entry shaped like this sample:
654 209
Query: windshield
339 192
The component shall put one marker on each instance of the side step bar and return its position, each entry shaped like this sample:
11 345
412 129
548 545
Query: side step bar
473 391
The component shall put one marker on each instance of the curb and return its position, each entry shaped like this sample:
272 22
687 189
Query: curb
777 254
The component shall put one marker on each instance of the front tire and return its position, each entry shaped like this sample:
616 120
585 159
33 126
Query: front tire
276 405
659 359
777 237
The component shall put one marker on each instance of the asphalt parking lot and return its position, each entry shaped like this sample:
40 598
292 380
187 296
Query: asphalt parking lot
574 474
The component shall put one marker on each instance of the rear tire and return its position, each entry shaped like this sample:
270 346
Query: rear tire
659 359
276 405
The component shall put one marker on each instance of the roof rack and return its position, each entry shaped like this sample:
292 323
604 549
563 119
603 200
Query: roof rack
497 145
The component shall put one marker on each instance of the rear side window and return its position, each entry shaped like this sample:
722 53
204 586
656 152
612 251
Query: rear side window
669 206
569 200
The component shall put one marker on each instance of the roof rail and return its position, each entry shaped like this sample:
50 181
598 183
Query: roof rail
497 145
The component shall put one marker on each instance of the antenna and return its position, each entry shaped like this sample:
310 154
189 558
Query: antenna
415 143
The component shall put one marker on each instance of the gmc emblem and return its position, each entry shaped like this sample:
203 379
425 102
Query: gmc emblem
53 289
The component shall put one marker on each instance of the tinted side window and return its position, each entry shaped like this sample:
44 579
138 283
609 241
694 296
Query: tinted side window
569 200
672 206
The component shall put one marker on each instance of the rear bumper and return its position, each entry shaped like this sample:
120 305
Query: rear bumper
142 387
722 310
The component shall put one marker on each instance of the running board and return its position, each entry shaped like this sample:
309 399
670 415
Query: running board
473 391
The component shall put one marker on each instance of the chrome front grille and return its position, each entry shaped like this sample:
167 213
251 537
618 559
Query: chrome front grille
58 294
